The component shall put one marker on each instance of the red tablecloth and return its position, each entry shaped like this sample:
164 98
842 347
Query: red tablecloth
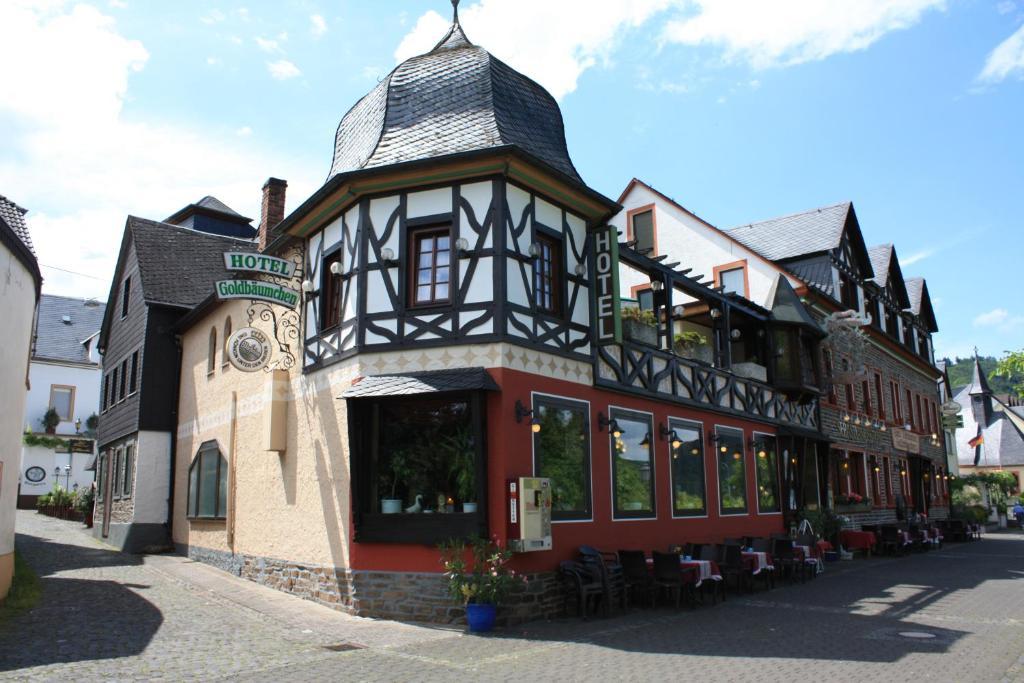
711 570
857 540
823 547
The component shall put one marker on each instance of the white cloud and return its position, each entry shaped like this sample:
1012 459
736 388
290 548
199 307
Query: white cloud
318 25
81 168
1006 60
553 42
213 61
999 318
243 132
282 70
917 256
118 4
1006 7
214 16
785 32
267 44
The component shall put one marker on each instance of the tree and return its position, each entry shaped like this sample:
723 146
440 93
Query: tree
1011 366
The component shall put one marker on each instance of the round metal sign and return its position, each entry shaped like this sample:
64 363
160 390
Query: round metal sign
35 474
249 349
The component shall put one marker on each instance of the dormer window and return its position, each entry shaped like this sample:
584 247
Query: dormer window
641 229
431 266
848 295
547 274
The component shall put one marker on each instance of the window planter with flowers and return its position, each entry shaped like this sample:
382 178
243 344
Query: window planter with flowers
640 326
853 502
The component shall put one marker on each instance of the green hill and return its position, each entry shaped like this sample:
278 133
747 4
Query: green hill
961 369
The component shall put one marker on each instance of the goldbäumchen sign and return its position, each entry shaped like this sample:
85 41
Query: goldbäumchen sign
259 290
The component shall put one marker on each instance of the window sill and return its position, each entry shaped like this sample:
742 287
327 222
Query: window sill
419 528
201 520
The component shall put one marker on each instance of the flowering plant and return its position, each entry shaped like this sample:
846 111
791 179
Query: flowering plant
850 499
479 572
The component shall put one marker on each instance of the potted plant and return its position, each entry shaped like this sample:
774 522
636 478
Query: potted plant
479 577
462 465
84 503
691 344
398 471
50 420
640 325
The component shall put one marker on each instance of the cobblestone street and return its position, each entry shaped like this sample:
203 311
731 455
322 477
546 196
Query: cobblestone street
105 616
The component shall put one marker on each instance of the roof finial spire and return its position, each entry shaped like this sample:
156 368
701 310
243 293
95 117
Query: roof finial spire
455 11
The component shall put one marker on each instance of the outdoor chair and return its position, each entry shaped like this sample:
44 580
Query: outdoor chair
710 553
670 576
733 541
731 564
636 574
890 541
608 568
582 583
786 560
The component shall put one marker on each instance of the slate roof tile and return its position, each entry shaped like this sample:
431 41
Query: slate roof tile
62 341
795 235
431 381
14 216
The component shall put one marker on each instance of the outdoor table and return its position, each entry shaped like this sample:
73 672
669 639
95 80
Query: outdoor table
706 569
805 555
857 540
757 561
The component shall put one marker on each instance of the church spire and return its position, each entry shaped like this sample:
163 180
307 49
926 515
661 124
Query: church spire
979 383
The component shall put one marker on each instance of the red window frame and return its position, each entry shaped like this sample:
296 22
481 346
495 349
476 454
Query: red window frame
879 396
865 400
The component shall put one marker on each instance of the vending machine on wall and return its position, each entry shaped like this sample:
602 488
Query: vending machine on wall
529 523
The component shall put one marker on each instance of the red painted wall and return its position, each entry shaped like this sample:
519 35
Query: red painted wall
510 455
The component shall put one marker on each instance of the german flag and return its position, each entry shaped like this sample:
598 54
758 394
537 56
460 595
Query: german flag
977 441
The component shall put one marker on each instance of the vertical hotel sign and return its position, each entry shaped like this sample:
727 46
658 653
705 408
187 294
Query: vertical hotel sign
606 278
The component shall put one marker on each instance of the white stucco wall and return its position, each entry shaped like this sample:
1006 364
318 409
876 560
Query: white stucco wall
40 456
42 375
17 292
692 242
152 477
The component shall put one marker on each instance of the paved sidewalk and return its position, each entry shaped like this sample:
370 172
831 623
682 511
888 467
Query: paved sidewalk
106 615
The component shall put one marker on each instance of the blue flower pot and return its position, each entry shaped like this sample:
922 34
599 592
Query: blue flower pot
480 617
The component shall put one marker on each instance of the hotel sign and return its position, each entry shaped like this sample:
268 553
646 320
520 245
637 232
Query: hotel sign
258 263
902 440
259 290
606 277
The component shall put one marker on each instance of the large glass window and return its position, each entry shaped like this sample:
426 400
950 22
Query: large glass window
431 274
562 453
810 487
686 443
643 231
766 457
547 269
732 471
632 465
418 467
129 465
208 484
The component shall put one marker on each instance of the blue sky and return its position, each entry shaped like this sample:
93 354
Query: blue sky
739 109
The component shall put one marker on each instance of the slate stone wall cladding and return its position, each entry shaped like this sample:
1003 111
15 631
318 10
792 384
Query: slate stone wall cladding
405 596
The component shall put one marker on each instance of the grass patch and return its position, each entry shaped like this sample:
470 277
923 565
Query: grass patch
25 590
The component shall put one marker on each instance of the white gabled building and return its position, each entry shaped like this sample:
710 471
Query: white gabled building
64 374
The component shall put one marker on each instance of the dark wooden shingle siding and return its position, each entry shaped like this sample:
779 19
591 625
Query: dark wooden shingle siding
158 409
125 336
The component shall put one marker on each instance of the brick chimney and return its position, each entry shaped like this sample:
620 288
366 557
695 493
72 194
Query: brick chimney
272 208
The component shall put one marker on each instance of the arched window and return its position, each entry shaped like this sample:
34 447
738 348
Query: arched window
208 483
211 360
224 349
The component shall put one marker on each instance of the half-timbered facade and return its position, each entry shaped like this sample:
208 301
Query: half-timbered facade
458 328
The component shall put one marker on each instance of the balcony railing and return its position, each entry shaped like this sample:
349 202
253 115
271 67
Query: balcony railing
663 375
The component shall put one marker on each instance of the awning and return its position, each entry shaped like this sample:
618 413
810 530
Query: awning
91 467
428 382
803 432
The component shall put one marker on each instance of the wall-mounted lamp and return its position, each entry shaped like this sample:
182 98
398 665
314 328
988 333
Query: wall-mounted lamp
671 435
907 427
856 421
884 427
522 411
613 425
387 257
678 311
462 247
657 285
646 441
846 417
903 473
735 333
307 286
534 250
715 313
336 268
78 425
580 269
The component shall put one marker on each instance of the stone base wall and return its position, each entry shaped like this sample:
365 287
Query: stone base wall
403 596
